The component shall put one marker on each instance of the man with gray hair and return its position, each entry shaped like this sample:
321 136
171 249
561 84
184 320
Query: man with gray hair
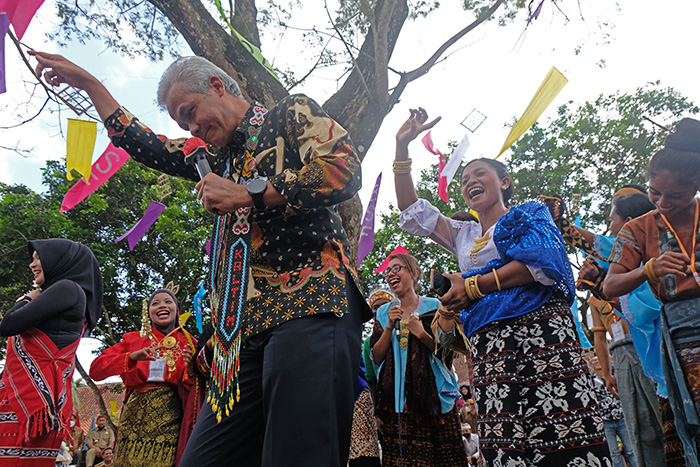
287 309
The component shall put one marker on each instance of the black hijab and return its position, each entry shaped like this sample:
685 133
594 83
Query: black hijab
65 259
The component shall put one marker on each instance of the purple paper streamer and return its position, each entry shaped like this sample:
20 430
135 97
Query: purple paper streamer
135 233
4 27
536 14
208 248
367 229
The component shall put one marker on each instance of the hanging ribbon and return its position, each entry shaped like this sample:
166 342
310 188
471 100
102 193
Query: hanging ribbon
399 249
107 165
198 300
442 181
20 13
581 335
155 209
252 49
4 27
80 144
366 242
550 87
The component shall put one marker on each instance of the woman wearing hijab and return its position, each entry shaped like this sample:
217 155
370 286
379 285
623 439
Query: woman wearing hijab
163 395
43 329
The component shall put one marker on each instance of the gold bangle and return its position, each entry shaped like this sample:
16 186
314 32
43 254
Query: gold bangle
402 167
471 287
598 329
498 282
649 270
478 293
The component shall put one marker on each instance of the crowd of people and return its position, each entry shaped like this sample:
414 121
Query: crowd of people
282 376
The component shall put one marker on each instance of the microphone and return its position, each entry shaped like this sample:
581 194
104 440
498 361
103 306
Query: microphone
396 303
197 154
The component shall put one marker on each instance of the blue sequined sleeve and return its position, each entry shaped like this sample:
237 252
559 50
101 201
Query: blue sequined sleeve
526 234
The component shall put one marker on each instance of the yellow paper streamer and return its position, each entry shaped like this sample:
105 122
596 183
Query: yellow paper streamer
113 406
80 141
550 87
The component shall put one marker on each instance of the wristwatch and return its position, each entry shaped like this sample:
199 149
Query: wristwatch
256 189
24 297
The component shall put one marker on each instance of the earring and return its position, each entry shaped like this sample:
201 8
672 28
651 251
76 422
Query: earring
145 320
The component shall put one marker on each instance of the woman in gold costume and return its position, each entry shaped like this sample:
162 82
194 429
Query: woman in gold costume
163 395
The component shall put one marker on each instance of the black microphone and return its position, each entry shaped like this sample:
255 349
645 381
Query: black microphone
197 154
396 303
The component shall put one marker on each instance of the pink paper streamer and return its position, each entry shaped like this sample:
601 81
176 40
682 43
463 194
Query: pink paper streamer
367 229
442 181
208 248
135 233
4 27
385 263
20 13
427 141
107 165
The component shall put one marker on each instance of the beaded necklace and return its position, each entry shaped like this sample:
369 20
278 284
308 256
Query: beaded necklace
693 267
172 348
403 326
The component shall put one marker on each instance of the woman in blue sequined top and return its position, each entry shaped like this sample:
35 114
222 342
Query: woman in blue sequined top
535 399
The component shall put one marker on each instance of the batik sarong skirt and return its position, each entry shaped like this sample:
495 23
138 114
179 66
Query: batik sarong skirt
364 441
149 428
422 443
15 451
534 395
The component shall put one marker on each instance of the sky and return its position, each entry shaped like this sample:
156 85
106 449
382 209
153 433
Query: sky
605 47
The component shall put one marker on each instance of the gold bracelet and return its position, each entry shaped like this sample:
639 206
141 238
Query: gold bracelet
498 282
649 270
475 285
471 287
598 329
402 167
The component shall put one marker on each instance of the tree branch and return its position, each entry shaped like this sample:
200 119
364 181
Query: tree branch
347 48
428 64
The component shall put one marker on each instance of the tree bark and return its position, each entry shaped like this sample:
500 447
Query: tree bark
359 112
208 39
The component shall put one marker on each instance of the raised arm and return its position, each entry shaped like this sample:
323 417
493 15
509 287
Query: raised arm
124 129
411 128
58 70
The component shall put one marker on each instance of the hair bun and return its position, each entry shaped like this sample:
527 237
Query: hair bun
686 136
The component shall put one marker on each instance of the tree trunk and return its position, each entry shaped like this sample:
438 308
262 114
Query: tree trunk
208 39
354 106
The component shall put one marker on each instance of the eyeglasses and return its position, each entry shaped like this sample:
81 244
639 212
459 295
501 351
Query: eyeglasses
395 269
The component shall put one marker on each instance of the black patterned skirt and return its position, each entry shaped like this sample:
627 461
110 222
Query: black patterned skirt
149 428
422 444
534 395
